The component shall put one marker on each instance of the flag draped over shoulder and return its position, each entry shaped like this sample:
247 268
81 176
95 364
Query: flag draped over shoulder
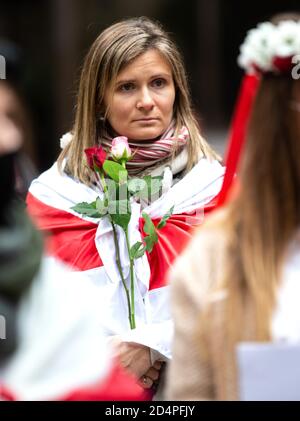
87 245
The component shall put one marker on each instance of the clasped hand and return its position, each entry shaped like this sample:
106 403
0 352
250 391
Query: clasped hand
136 359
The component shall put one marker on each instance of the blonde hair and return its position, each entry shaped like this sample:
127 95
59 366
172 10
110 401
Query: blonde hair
262 219
115 48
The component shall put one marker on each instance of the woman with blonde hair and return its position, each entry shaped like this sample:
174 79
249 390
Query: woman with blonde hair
133 85
236 282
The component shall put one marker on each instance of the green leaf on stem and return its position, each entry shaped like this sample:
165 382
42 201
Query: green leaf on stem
88 209
152 191
137 250
149 229
115 171
120 212
154 184
137 185
122 192
164 219
149 243
101 206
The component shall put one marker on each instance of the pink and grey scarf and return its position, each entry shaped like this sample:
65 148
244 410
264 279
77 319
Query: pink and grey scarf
149 153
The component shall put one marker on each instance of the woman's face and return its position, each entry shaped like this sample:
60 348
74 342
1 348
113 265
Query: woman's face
141 102
11 136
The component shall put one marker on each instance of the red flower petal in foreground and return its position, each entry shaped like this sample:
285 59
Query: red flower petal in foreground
95 156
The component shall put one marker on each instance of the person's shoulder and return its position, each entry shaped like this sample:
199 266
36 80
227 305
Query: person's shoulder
207 168
59 190
212 163
57 177
208 238
198 267
52 171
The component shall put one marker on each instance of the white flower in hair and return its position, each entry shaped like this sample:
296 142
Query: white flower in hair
65 140
258 48
287 38
268 47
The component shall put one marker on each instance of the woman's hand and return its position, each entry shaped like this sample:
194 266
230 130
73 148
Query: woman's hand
136 359
151 376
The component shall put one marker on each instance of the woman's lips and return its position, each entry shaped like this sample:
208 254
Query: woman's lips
146 119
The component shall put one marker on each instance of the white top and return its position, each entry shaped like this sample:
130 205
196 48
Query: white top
286 318
271 371
61 345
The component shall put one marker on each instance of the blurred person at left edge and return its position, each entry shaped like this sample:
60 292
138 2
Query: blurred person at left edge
51 347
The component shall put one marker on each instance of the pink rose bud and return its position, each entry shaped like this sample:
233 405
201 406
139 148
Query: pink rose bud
120 149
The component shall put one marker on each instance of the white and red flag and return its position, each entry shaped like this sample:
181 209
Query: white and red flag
87 246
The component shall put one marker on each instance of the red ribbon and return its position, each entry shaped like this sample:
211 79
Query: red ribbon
238 131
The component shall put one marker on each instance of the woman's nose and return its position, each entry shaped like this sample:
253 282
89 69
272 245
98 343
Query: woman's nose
145 100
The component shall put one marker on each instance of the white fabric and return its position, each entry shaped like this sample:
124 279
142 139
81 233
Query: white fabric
178 164
196 189
270 371
286 317
153 320
167 180
61 342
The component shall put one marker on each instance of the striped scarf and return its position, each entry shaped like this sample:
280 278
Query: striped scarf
149 153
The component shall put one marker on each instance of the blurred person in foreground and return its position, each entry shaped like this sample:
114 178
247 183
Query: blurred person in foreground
133 89
51 341
15 118
238 280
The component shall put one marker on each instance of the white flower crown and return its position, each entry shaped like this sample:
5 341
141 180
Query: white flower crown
270 48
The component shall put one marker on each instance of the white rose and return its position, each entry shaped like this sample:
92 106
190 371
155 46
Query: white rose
65 140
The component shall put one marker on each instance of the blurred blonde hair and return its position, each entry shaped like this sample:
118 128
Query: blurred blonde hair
115 48
279 17
262 219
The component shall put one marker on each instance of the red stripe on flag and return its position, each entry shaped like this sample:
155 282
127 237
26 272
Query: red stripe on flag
6 394
68 237
119 385
172 239
72 239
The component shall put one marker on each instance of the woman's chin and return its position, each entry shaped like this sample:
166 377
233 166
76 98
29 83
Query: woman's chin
145 134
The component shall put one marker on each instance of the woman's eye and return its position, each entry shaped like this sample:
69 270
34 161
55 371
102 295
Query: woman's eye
127 87
159 83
